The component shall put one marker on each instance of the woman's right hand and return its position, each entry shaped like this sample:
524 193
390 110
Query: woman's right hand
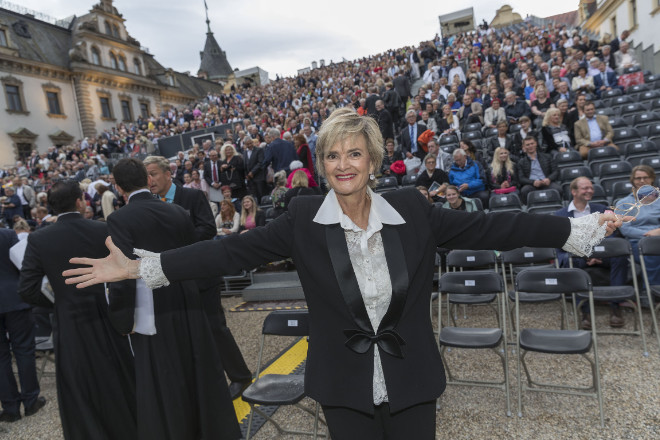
114 267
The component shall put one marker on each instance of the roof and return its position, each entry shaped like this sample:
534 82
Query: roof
193 86
37 40
567 18
456 15
214 60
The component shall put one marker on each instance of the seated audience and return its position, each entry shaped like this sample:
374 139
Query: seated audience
432 174
466 175
251 216
456 201
625 58
536 171
494 114
556 138
299 187
502 172
389 158
605 80
592 131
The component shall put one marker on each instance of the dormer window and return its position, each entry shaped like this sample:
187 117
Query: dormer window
96 56
115 31
137 67
3 38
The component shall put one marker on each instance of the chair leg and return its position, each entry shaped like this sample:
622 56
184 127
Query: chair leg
249 429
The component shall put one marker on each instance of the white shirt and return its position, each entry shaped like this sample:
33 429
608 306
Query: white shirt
367 255
576 212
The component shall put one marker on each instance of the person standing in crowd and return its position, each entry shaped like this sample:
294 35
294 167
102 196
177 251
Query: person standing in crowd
256 177
27 196
94 364
11 206
368 319
196 205
279 153
179 391
17 331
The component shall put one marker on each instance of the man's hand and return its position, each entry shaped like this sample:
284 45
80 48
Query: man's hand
409 155
594 261
463 187
538 183
249 175
546 182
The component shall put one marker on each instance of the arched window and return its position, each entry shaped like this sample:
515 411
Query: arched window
96 56
137 67
108 28
115 31
122 63
113 61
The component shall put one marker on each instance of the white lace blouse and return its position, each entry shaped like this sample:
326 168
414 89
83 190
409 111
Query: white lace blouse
367 256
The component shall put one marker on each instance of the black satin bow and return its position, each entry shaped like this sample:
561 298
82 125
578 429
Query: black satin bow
360 341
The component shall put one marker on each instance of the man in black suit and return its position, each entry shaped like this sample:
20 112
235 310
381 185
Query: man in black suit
410 145
278 152
256 177
402 86
384 119
212 170
177 368
94 363
195 203
16 321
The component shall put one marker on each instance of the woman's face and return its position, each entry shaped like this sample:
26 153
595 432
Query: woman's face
446 110
247 203
430 165
503 155
229 152
224 208
451 195
554 118
641 178
389 147
425 193
525 124
464 146
501 130
186 178
496 105
195 175
541 92
347 166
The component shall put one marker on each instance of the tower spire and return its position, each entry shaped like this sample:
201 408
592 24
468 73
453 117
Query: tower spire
208 22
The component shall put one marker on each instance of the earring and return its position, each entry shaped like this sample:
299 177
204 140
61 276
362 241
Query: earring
372 177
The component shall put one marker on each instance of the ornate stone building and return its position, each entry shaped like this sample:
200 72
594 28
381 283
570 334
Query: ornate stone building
65 80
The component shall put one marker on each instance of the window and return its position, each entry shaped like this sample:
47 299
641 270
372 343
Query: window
53 103
137 67
633 13
126 110
122 63
113 61
13 98
115 31
24 150
106 110
108 29
3 38
144 109
170 80
96 56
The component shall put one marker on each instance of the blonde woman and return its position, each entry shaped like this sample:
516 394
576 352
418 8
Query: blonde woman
502 174
251 216
448 123
556 138
299 187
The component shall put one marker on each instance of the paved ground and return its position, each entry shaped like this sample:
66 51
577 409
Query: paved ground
631 389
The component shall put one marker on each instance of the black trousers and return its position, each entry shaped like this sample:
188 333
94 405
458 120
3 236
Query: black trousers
19 325
416 422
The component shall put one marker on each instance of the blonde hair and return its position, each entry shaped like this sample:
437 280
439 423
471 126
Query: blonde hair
253 210
299 179
21 225
549 114
160 161
496 165
345 123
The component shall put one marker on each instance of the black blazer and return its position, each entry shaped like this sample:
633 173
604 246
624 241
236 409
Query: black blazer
208 171
254 164
340 357
524 168
92 358
195 203
10 301
405 138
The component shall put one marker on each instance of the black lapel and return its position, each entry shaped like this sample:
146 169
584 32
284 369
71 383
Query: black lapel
341 263
396 264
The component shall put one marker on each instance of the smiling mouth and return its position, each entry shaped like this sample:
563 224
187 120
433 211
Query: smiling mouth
346 177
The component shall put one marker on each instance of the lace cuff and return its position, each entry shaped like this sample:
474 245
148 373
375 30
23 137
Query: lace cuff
150 269
585 234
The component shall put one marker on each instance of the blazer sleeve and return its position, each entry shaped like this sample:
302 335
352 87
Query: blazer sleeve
582 138
32 272
606 128
234 253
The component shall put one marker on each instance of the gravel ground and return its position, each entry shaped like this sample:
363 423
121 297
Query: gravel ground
630 382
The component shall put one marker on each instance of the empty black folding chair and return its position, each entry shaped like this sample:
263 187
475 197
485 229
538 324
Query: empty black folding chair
563 342
544 202
650 246
476 283
504 202
280 389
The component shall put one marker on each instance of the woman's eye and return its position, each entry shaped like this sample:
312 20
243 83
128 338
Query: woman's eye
356 154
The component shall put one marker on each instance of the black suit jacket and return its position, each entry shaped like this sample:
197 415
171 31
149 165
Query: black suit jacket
254 164
402 86
195 203
208 171
406 144
340 357
10 301
92 359
524 168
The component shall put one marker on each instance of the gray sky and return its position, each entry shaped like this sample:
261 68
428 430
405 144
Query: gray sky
287 35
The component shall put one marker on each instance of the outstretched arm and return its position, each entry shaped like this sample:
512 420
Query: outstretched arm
115 267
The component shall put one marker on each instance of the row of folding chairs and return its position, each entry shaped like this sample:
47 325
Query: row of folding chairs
537 284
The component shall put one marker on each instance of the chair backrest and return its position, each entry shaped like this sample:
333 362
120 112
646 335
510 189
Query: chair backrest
611 93
565 280
570 173
528 255
645 118
606 111
569 156
649 246
620 189
602 153
448 139
386 182
266 201
639 148
612 247
287 323
491 132
544 197
477 201
470 259
408 180
504 201
620 100
637 88
617 122
622 134
514 128
620 168
653 162
472 135
473 126
471 283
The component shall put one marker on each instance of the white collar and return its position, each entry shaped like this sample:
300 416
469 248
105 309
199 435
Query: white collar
381 212
138 192
572 207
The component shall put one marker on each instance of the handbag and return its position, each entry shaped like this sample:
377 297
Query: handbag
412 165
505 190
398 167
